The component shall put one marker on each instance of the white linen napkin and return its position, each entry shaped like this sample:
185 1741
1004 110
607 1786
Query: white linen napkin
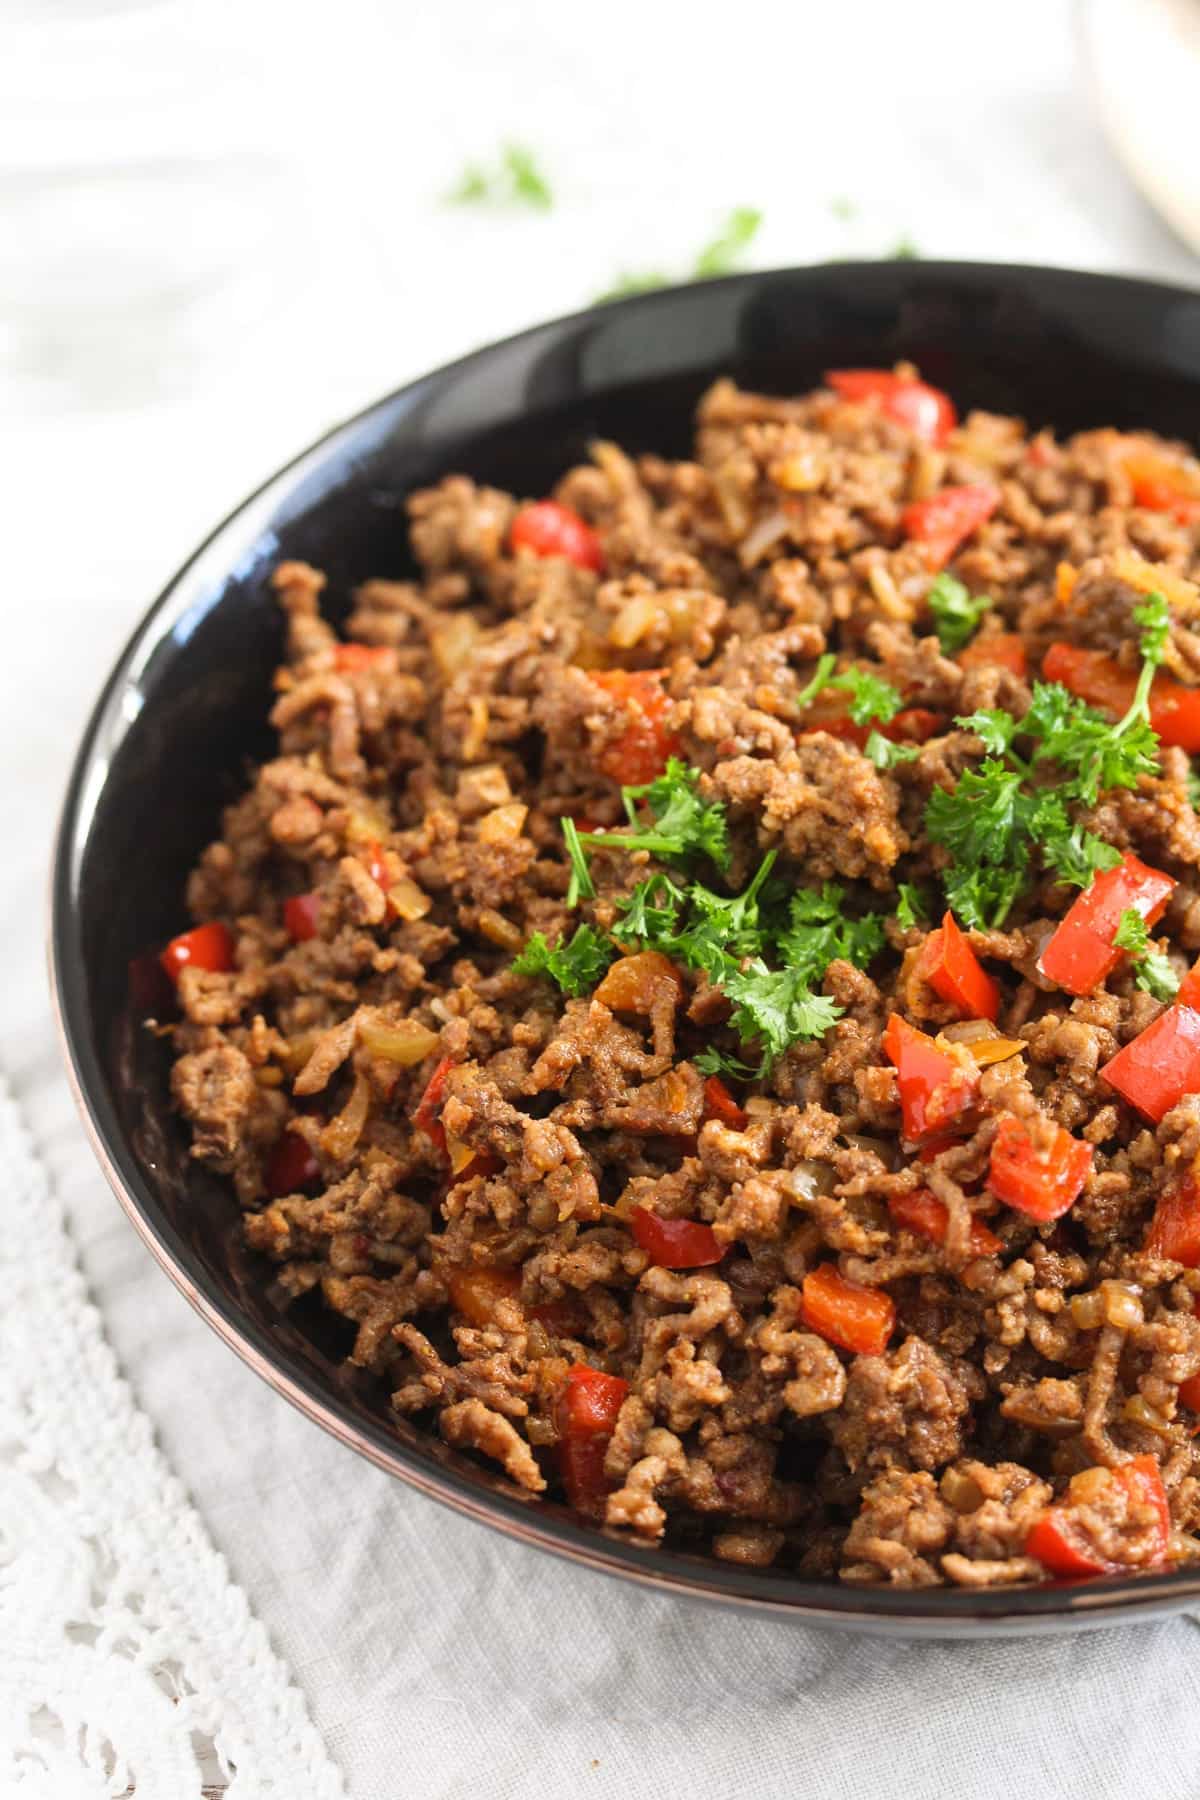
129 1662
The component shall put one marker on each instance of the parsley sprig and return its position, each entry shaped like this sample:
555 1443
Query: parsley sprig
514 180
576 966
1152 969
871 697
766 948
956 614
998 817
683 823
720 256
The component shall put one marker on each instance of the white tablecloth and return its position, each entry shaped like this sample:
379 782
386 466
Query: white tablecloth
438 1659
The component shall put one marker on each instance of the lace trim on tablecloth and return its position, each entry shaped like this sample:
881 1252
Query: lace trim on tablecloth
130 1664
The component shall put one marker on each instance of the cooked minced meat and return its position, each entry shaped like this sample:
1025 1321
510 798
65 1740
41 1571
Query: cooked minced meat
703 987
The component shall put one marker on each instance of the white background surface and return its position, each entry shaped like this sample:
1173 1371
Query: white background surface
438 1659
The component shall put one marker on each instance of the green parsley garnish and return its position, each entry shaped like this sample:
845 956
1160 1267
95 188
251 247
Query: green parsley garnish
581 886
956 615
729 937
722 253
576 966
996 819
720 256
776 1008
818 932
765 947
718 1062
871 697
904 250
516 180
885 754
1152 970
910 906
684 824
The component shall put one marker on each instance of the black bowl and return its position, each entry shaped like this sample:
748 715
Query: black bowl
184 712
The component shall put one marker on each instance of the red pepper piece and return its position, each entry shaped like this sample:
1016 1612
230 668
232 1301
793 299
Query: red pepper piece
855 1318
936 1089
923 1214
428 1116
1161 1065
1189 989
954 972
913 725
944 522
1081 952
1061 1541
349 659
720 1104
674 1243
640 754
1040 1171
477 1291
292 1167
1175 1228
587 1417
301 916
548 529
1004 650
925 411
1098 678
204 947
1189 1393
1161 484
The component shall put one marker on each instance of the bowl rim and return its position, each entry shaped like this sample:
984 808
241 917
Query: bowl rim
928 1612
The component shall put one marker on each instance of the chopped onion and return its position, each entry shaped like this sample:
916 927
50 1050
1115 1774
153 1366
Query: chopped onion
405 1041
767 531
504 824
453 640
345 1128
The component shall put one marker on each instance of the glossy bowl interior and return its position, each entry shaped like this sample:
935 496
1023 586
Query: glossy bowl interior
184 712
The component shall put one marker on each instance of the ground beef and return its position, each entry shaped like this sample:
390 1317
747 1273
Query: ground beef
526 1198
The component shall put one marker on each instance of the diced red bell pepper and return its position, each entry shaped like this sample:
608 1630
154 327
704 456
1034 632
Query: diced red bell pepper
1061 1543
1161 1065
720 1104
204 947
476 1292
1189 989
349 659
1189 1393
912 725
923 1214
428 1116
588 1409
1175 1228
640 754
855 1318
548 529
1098 678
1038 1170
1161 484
1003 650
674 1243
944 522
936 1088
954 972
302 916
1081 952
925 411
292 1166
